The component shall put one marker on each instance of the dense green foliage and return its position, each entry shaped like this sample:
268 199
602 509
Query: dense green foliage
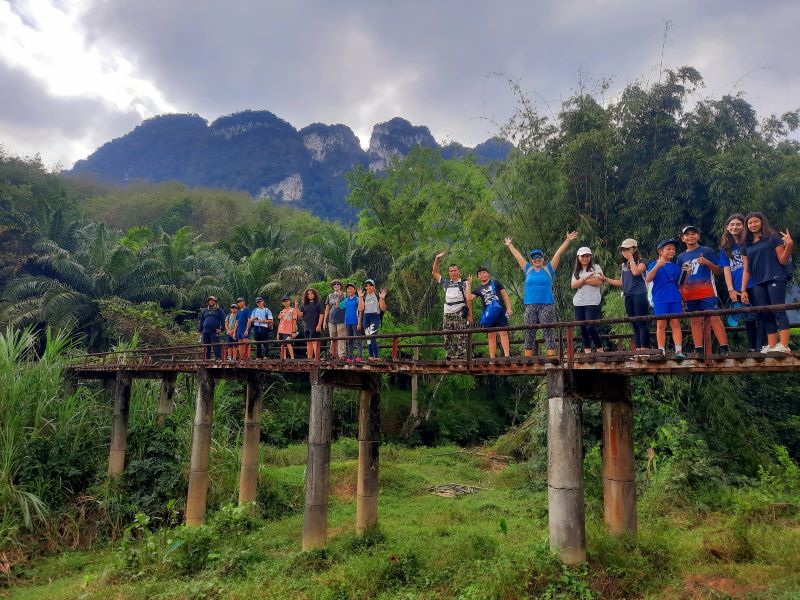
105 266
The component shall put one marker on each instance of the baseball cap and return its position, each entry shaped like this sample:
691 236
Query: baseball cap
234 306
536 251
285 298
689 228
663 243
259 299
583 250
240 299
629 243
372 281
214 298
350 284
481 270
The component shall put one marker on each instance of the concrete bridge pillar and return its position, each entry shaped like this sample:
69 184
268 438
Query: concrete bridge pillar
165 399
201 449
369 430
619 480
565 469
315 520
248 476
119 425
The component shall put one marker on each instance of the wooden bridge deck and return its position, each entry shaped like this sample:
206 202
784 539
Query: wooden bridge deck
622 363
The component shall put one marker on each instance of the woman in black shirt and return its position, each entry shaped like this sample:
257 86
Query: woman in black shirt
313 313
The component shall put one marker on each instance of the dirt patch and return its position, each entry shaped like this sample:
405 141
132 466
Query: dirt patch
701 587
343 487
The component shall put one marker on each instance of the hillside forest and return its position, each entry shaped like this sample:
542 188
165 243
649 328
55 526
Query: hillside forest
84 266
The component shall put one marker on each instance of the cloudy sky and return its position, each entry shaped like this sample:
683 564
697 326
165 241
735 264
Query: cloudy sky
76 73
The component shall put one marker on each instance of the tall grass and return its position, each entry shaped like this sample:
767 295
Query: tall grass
42 430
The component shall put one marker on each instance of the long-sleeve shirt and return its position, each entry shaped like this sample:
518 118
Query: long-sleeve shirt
211 320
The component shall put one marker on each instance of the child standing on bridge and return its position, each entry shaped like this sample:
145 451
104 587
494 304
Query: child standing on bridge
231 322
731 254
634 290
664 275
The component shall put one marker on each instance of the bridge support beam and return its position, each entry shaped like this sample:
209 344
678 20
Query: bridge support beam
619 481
248 476
369 431
565 469
201 449
315 520
119 426
165 399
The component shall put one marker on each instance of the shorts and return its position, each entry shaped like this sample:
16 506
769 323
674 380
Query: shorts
240 336
702 304
502 320
667 308
284 336
229 339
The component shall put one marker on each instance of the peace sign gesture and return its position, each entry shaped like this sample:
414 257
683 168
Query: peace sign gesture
787 239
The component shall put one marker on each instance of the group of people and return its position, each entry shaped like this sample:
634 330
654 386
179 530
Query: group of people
345 314
754 259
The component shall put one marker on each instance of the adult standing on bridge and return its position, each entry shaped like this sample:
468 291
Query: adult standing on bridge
766 264
212 320
261 322
312 313
587 281
496 309
457 310
634 290
538 297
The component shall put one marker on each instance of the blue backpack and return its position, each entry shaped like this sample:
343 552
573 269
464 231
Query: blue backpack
493 311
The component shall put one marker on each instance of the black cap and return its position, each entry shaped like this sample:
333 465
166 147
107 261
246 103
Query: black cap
285 298
689 228
259 299
480 269
350 284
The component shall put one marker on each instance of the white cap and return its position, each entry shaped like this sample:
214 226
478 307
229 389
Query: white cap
583 250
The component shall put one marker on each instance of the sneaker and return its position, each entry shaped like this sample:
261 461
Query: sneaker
766 349
679 356
781 348
358 360
724 350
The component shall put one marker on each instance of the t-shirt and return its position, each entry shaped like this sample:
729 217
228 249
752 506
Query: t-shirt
762 262
311 314
371 306
286 320
211 320
665 283
699 283
736 265
242 317
485 293
632 284
336 314
539 285
259 314
455 295
231 321
588 295
351 310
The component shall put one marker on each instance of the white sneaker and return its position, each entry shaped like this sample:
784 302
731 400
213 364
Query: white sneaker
766 349
781 348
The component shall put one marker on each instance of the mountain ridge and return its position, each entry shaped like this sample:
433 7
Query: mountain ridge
258 152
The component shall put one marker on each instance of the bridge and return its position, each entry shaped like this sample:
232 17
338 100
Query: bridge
572 378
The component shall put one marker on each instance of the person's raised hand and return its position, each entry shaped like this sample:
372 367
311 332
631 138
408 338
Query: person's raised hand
360 292
627 254
441 254
508 241
787 239
382 293
572 235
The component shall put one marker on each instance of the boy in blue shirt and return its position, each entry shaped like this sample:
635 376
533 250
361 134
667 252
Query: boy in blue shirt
664 276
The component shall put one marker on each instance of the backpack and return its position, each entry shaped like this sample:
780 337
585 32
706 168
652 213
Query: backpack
493 310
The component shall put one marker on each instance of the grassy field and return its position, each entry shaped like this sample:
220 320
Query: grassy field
488 544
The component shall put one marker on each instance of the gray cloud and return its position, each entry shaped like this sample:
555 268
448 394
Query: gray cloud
32 120
360 62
